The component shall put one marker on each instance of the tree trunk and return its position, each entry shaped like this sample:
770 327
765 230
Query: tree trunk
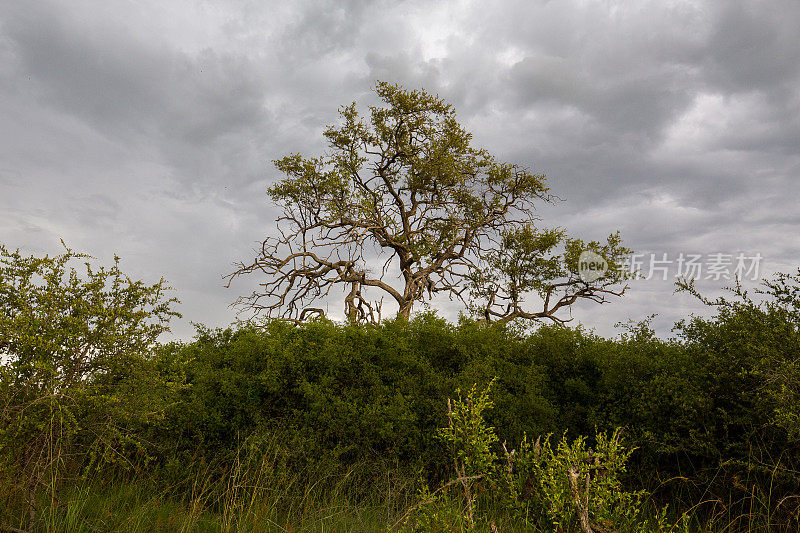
405 310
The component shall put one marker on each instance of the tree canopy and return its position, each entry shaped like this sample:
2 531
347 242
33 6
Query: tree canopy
403 206
58 326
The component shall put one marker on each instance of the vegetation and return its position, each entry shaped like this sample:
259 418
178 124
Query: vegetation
404 188
75 353
352 426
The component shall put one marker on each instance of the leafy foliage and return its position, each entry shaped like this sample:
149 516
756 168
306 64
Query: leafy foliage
74 350
404 187
278 415
570 488
581 486
61 328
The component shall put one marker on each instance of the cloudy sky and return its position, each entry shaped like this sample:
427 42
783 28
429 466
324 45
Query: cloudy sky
146 128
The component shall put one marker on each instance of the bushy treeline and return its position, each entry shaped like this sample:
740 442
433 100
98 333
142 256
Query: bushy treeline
357 410
707 412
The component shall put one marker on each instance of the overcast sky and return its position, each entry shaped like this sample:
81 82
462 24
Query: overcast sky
146 128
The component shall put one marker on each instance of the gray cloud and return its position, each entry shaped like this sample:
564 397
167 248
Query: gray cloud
146 128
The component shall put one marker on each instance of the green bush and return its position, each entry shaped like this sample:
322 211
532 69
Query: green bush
76 384
697 412
569 488
86 389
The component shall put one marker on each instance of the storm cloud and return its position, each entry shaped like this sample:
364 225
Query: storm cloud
147 128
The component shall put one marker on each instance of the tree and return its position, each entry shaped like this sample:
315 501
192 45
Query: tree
404 206
71 343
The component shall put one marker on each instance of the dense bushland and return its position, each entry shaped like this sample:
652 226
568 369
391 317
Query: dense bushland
344 426
708 419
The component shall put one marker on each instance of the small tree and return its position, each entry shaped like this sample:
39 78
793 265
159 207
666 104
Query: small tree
403 205
470 440
68 342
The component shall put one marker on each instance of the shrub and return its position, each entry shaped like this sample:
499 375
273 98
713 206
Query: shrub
74 348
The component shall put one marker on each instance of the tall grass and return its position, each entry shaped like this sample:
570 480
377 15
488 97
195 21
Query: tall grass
259 494
252 492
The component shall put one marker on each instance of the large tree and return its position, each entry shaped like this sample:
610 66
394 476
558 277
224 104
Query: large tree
402 205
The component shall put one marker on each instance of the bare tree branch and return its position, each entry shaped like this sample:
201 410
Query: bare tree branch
452 220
